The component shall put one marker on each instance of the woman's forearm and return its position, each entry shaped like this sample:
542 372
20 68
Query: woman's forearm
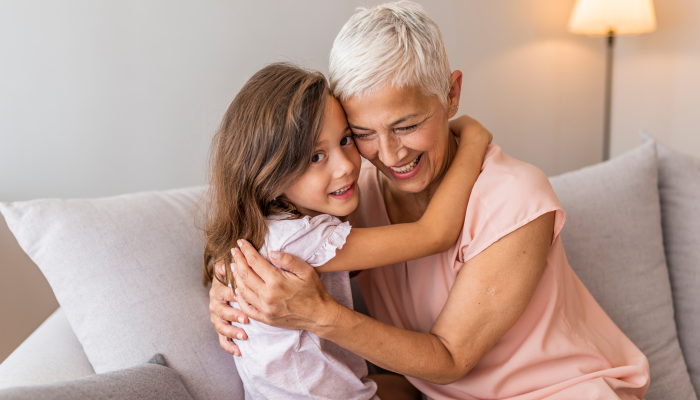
416 354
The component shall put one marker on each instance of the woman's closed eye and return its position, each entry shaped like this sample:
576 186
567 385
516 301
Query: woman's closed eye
400 130
407 129
361 136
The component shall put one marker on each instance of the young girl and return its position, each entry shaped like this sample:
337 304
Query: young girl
284 169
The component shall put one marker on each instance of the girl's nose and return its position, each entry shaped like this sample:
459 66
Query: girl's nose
344 166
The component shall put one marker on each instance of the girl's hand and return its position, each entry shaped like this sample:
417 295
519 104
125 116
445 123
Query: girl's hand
289 297
466 126
222 315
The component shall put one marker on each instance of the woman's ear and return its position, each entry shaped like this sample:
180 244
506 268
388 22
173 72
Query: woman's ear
455 92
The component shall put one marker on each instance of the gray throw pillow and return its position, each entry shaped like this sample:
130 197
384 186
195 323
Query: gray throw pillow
126 271
614 243
679 187
152 380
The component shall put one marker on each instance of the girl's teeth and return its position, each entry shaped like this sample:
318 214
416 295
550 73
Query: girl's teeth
341 191
408 167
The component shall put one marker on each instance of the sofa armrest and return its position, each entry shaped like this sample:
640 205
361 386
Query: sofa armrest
51 354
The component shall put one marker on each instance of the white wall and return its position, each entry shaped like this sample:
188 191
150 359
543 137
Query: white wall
537 87
115 96
657 81
101 98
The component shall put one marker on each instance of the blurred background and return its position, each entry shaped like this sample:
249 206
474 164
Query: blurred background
117 96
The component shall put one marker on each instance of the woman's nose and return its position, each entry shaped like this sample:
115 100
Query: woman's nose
390 150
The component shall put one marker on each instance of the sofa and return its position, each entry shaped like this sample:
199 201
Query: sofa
126 272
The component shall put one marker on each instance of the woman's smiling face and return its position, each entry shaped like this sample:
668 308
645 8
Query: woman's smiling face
404 133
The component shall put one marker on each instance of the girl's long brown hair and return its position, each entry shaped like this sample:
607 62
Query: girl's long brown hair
265 142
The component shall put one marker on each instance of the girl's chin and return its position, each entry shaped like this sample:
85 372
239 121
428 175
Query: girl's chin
345 209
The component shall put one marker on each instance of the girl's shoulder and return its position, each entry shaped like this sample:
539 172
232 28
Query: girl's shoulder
287 225
313 239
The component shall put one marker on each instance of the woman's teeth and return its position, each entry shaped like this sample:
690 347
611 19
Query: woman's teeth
341 191
408 167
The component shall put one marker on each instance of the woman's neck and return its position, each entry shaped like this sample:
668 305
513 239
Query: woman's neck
404 207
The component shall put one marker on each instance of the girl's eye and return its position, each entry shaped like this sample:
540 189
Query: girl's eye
346 140
407 128
318 157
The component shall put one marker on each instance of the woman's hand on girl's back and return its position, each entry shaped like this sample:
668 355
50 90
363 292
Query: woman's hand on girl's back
222 315
290 297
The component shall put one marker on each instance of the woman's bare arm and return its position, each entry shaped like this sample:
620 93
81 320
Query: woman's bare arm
490 294
435 232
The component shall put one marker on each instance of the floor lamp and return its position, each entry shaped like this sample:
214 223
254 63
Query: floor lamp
611 18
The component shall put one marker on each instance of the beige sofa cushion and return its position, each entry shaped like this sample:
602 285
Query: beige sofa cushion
51 354
679 187
613 241
152 380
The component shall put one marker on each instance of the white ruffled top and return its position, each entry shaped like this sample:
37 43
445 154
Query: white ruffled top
278 363
314 240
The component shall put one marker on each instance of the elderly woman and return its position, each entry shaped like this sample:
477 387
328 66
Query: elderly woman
500 315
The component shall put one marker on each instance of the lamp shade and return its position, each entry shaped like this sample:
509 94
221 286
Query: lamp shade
622 17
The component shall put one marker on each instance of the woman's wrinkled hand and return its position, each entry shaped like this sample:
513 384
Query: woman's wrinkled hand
291 296
223 315
466 125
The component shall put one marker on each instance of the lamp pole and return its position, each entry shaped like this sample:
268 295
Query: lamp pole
608 95
611 18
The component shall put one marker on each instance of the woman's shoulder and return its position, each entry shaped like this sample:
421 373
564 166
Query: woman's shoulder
504 178
508 194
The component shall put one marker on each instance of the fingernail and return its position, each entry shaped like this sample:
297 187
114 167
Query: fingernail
233 251
240 243
236 291
233 267
275 254
241 320
239 336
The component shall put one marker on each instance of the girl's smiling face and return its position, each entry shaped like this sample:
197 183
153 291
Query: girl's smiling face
329 186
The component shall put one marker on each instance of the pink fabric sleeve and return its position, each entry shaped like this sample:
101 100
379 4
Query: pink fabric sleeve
314 240
508 194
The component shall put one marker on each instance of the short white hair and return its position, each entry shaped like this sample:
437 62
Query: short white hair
394 44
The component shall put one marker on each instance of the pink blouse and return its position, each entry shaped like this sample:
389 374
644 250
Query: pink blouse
564 346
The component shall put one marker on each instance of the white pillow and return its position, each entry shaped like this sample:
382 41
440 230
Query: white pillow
126 271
